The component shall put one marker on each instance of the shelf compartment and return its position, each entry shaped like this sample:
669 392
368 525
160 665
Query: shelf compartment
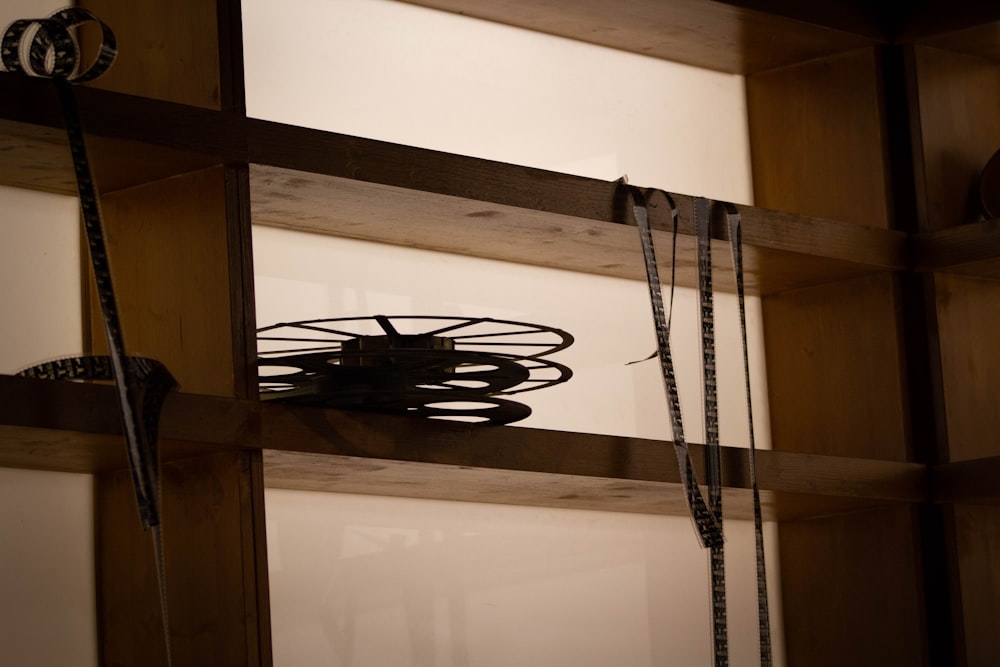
329 450
130 140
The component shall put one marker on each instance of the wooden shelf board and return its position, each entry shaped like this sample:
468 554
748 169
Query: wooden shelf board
361 188
746 36
977 35
130 140
712 35
344 474
74 427
975 482
553 220
972 249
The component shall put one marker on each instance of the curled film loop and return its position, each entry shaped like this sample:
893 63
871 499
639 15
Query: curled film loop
49 48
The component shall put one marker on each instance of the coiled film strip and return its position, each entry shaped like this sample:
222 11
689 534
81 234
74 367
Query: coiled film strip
707 517
48 48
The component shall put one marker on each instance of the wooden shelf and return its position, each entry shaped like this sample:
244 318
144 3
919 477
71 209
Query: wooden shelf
972 249
976 481
713 35
330 450
365 189
745 36
950 32
130 140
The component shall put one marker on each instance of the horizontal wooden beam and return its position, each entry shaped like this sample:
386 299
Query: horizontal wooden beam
746 36
74 427
721 36
416 198
976 481
971 249
130 140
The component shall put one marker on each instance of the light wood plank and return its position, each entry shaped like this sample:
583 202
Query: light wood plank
552 225
358 452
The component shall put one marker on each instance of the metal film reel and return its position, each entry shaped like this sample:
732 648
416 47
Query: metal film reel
440 367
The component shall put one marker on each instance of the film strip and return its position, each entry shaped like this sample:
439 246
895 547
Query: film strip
48 48
707 517
713 463
733 224
706 526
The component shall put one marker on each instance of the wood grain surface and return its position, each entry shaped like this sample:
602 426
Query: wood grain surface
816 139
216 567
357 452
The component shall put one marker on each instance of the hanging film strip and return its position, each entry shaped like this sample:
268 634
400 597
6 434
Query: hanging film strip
733 224
707 516
48 48
708 529
713 464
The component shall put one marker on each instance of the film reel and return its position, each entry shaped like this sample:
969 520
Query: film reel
441 367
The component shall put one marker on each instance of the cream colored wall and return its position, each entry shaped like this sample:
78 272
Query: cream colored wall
47 597
392 71
359 580
47 593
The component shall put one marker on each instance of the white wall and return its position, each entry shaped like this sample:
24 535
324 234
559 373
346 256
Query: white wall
372 581
396 72
47 597
369 581
47 592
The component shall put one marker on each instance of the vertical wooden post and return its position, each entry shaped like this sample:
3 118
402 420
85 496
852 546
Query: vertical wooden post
852 584
956 98
182 265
